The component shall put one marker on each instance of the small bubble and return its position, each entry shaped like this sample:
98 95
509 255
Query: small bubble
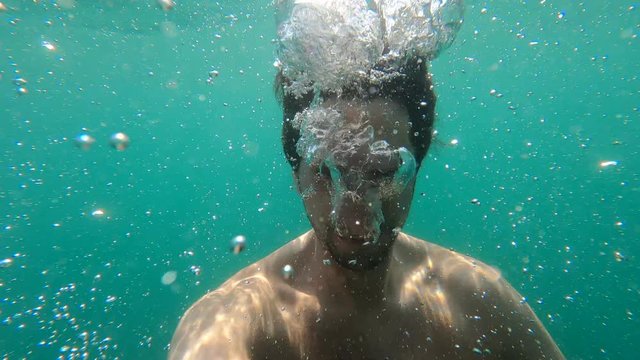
49 46
287 271
84 141
97 213
169 277
195 269
119 141
19 81
605 164
238 243
5 263
166 5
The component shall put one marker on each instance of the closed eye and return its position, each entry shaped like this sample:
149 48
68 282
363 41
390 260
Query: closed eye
384 173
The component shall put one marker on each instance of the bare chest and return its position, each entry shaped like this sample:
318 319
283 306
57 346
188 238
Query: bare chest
385 334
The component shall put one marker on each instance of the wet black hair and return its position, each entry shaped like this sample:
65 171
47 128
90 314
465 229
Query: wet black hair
412 88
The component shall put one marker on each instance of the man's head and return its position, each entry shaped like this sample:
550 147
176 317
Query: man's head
355 156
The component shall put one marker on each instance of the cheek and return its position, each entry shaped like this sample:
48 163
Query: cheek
317 202
396 207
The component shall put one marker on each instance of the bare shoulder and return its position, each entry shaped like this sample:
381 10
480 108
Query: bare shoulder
469 294
221 324
229 322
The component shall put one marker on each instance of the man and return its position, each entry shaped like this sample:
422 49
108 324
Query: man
355 286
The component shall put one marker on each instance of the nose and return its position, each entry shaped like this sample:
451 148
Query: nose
358 215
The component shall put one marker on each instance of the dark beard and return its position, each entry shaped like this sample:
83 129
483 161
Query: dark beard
368 257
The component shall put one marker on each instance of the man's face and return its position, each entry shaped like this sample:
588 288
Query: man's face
357 177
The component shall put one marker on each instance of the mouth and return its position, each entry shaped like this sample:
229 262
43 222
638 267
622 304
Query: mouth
361 240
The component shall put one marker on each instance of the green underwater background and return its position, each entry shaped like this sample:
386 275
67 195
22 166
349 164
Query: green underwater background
535 168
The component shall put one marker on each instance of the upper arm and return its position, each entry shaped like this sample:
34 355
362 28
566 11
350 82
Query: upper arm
525 336
213 328
515 330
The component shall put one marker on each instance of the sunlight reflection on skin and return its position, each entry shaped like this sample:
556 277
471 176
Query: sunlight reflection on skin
448 304
244 297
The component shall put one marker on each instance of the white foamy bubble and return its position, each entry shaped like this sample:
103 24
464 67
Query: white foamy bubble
328 44
421 27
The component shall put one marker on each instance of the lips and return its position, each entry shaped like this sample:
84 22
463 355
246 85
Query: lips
361 240
352 239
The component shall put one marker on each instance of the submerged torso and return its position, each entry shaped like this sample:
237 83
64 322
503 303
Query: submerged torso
433 304
424 318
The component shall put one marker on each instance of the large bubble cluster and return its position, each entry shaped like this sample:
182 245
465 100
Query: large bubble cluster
327 44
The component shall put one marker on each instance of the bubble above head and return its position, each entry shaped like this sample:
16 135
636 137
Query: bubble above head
328 44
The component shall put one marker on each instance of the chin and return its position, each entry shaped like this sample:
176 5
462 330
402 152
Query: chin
359 254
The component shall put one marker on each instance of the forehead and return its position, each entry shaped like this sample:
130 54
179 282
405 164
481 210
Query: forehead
388 118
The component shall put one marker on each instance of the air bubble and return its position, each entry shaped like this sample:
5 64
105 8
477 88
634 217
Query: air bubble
166 5
606 164
97 213
238 244
19 81
84 141
49 46
119 141
287 272
5 263
195 269
169 277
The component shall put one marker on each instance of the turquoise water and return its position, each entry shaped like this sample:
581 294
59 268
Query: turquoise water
537 94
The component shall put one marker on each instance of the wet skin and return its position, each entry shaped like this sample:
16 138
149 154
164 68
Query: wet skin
352 298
